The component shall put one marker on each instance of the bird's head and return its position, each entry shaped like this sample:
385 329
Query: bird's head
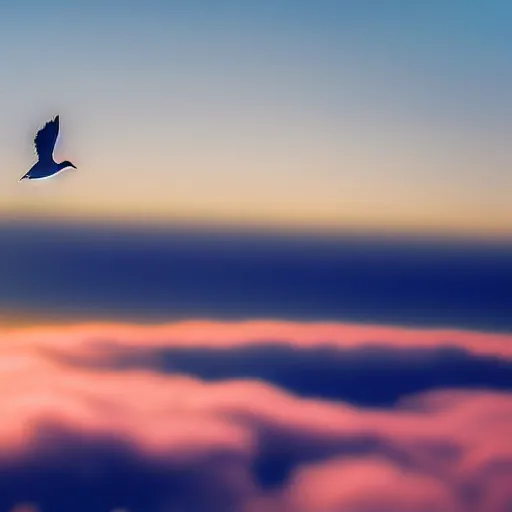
65 164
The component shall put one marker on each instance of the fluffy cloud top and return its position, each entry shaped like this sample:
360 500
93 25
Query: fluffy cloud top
81 433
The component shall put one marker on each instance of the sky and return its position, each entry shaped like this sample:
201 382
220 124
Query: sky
310 115
280 279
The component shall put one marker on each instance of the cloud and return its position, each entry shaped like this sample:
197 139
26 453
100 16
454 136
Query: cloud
216 334
120 274
330 361
135 437
25 507
364 485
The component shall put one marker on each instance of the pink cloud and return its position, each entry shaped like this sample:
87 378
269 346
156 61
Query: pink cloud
232 334
365 485
422 455
25 507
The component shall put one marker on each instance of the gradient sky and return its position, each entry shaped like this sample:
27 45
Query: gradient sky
367 114
148 364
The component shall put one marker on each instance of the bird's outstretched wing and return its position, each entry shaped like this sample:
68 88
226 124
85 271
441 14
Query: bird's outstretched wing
46 138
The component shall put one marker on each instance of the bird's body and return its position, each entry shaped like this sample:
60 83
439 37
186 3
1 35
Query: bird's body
41 170
46 166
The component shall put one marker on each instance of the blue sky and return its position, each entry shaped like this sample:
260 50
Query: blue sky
339 114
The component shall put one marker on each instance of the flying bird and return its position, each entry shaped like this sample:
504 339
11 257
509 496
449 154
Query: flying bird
44 142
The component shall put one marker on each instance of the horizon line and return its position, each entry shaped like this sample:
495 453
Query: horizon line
256 228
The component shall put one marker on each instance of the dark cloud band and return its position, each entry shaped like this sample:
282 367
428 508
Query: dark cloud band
123 274
370 376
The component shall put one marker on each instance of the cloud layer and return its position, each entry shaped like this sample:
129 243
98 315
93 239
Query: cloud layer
90 422
330 361
121 274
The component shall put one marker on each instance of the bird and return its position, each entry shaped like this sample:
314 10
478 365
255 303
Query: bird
44 142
